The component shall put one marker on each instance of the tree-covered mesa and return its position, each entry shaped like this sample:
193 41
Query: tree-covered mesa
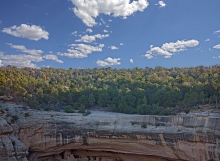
144 91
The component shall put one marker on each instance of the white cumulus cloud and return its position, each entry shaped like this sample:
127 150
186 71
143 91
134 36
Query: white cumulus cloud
88 10
74 54
92 38
216 46
81 50
168 49
74 33
207 40
109 62
113 47
31 32
20 60
52 57
1 63
216 32
148 56
131 61
89 30
102 21
161 4
25 50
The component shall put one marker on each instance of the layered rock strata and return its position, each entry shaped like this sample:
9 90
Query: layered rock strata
105 136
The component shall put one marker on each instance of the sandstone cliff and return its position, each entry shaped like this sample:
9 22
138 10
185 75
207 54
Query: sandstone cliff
11 149
102 136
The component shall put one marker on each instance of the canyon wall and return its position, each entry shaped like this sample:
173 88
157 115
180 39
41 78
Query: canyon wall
106 136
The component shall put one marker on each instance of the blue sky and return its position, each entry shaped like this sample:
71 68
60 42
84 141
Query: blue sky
109 33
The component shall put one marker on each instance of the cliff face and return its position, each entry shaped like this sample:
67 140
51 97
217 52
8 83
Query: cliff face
11 149
101 136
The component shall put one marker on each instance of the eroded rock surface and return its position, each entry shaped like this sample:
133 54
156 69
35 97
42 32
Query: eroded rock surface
11 149
103 136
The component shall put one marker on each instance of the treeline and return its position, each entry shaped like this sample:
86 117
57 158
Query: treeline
144 91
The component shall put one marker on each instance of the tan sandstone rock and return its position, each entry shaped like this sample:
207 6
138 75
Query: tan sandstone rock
52 136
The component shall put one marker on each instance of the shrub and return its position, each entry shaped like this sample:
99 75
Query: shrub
186 110
76 106
144 126
68 109
82 109
86 113
26 114
15 117
165 112
46 108
37 107
132 123
12 121
160 124
2 111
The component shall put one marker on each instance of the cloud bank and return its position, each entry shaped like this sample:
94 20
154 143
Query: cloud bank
81 50
88 10
25 60
168 49
21 60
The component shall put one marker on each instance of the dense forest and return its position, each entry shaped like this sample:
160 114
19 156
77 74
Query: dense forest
145 91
